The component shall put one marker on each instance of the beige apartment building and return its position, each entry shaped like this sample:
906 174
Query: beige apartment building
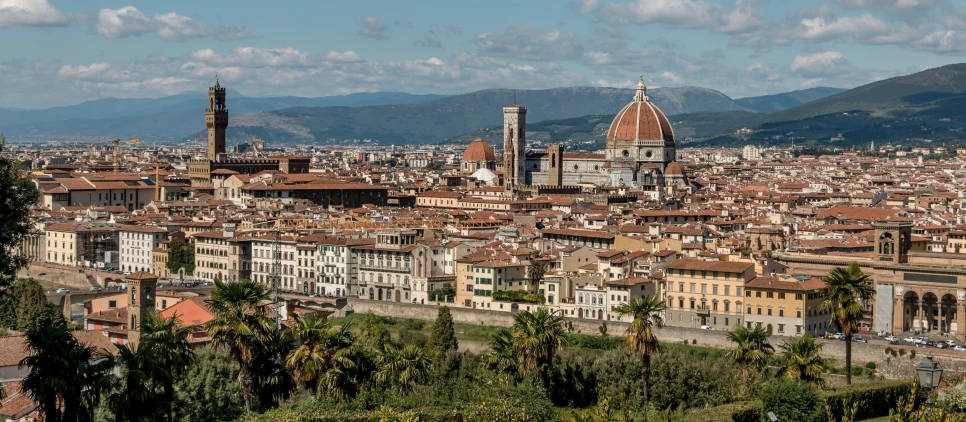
786 305
706 293
62 243
223 255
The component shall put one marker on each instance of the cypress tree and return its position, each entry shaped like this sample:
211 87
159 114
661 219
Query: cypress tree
444 335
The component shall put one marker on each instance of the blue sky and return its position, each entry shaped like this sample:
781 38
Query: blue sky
57 52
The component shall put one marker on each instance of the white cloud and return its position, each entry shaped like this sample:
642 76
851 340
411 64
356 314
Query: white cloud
529 43
820 65
347 56
129 21
83 71
30 13
251 57
428 41
741 17
373 27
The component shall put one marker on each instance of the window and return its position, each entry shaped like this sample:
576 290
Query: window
781 328
781 312
798 296
748 293
112 304
714 289
771 295
704 288
727 306
757 294
759 310
692 287
692 303
781 295
749 310
727 290
769 311
798 313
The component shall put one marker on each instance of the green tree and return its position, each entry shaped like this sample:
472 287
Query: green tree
444 294
444 335
18 196
791 400
324 353
618 374
846 289
240 324
167 340
137 395
66 378
804 361
373 332
535 272
33 301
751 346
181 254
209 390
402 367
684 377
537 336
647 313
502 356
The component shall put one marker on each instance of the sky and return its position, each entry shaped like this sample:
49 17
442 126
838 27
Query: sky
59 52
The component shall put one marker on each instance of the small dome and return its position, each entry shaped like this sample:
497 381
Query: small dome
479 150
674 169
640 120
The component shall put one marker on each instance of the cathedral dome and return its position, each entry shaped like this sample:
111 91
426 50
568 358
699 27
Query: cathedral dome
640 120
479 150
674 169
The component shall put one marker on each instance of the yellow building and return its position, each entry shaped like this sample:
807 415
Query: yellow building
706 293
786 305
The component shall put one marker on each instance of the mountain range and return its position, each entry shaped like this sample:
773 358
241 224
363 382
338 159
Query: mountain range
924 106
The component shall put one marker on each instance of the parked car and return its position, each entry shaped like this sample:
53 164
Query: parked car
960 348
891 339
921 340
62 291
838 336
38 275
894 341
707 327
950 343
941 345
859 339
96 289
928 343
909 339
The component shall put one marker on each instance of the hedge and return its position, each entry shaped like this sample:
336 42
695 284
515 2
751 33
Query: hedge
745 411
875 400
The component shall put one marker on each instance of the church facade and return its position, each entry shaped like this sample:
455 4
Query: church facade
640 152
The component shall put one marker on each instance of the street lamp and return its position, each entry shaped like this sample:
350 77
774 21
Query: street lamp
929 374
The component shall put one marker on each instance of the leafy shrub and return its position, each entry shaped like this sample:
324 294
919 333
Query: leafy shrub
874 400
912 355
902 352
954 400
519 296
413 324
747 411
889 350
680 377
618 375
587 341
870 366
791 400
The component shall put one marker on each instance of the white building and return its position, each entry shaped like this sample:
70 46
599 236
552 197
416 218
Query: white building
333 267
751 153
262 250
135 246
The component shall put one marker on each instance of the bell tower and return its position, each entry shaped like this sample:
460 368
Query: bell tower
514 145
141 288
893 239
216 118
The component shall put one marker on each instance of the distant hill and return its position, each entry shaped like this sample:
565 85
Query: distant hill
786 100
172 117
928 106
438 120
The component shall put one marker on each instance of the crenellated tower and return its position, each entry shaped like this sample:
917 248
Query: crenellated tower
216 118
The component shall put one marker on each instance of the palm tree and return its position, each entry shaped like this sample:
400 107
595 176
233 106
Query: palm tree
502 355
167 339
752 347
846 289
647 313
241 325
307 360
403 367
538 336
535 272
66 377
136 396
804 361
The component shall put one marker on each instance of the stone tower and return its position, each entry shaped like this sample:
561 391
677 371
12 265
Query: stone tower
514 145
893 239
216 118
141 289
555 154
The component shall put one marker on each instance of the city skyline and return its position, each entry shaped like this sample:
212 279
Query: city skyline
81 51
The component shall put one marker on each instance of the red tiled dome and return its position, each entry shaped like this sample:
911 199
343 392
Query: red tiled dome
640 120
674 169
479 150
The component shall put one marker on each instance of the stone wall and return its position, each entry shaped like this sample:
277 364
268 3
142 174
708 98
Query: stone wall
73 277
890 367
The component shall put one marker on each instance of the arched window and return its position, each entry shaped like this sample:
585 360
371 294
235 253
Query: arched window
553 160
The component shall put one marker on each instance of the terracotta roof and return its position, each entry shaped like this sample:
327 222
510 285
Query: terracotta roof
700 265
479 150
